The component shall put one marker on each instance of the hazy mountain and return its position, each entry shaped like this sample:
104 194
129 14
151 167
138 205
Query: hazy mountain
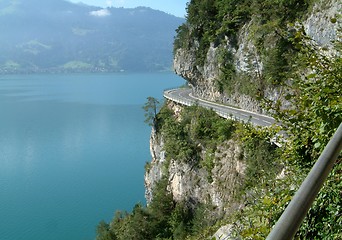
59 36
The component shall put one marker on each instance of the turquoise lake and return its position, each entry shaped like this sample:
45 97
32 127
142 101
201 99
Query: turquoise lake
72 151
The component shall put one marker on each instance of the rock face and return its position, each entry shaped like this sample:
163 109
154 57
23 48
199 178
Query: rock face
248 63
322 24
224 233
193 184
204 79
155 170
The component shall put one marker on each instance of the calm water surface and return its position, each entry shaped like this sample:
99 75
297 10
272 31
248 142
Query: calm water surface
72 151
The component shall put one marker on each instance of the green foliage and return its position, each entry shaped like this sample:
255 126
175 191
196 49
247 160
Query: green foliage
197 127
184 136
208 162
161 208
205 126
182 37
217 18
180 221
134 225
162 219
316 100
104 233
209 21
270 36
143 223
315 95
151 109
315 114
177 143
213 21
232 14
278 62
203 218
202 19
265 205
324 219
260 155
227 80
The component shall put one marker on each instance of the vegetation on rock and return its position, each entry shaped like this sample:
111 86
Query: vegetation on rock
185 136
312 86
220 22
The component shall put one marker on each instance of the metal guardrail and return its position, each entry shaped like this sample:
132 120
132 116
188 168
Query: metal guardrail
177 100
291 219
193 102
289 222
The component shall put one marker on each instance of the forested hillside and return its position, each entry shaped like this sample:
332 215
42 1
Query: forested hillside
59 36
215 178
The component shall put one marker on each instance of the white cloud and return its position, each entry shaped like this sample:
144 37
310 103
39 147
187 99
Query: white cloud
100 13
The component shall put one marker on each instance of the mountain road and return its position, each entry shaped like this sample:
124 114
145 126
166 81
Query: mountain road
184 96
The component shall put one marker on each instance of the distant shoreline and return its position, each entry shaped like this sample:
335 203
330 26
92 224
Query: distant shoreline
60 71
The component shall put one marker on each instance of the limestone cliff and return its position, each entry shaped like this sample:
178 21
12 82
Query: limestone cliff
192 183
323 22
248 53
249 64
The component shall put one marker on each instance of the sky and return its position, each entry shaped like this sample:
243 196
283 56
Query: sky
174 7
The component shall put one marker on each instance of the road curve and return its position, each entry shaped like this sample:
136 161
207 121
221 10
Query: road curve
184 96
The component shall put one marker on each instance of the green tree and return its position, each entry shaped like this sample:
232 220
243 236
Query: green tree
316 99
151 108
104 233
316 113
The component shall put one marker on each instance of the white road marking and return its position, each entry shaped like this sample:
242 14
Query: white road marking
225 111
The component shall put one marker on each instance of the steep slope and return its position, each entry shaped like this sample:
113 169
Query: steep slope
241 52
246 57
214 178
56 35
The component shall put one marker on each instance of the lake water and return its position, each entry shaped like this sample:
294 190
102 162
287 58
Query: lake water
72 151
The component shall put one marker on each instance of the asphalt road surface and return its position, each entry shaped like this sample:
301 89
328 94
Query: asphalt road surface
184 96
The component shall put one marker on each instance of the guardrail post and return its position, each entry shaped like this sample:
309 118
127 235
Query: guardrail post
289 222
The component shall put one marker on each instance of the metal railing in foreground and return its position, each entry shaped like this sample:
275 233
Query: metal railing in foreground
289 222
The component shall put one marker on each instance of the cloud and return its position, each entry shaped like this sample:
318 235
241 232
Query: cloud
100 13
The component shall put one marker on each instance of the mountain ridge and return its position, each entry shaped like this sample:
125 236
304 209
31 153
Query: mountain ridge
59 36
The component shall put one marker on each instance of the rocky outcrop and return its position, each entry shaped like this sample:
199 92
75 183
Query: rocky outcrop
224 233
204 79
192 183
321 25
154 169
